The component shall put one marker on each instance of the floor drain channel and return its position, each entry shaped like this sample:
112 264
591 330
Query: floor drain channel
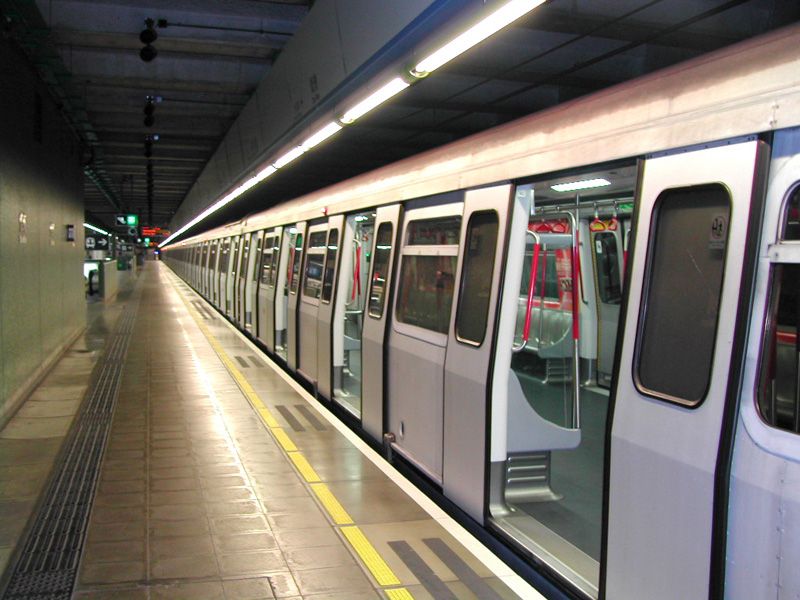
48 563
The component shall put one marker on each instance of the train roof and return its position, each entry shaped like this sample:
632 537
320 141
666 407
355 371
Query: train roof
745 89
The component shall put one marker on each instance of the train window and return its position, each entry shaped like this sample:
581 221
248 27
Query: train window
609 282
779 397
476 277
266 262
427 273
223 259
779 392
683 286
380 270
312 285
434 232
245 254
426 291
330 265
257 258
791 227
315 259
297 256
276 253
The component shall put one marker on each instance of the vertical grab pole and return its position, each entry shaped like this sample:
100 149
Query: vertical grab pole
531 287
576 281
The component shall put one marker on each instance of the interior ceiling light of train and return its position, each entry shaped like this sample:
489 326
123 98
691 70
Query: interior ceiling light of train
210 56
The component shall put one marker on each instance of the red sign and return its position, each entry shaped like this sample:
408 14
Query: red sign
153 231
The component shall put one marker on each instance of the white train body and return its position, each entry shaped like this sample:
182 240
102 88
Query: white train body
605 379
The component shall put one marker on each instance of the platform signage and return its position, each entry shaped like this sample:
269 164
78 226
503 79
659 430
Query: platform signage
127 220
96 242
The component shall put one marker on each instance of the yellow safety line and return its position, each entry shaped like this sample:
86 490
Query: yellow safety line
306 470
366 551
380 570
331 504
399 594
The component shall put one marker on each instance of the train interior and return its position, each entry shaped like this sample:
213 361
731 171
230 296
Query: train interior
570 295
780 386
357 243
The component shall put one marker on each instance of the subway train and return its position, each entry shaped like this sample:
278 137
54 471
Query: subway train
578 328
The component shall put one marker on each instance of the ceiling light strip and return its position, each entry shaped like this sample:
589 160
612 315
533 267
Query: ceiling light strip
496 21
394 87
97 229
584 184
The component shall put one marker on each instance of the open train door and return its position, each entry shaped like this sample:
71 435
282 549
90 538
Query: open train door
671 391
387 224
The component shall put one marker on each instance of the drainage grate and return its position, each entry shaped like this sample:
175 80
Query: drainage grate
48 563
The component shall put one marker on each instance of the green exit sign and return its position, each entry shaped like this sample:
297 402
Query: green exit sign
127 220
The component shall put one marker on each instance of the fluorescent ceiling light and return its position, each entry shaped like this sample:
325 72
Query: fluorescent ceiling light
475 34
585 184
322 135
97 229
395 86
226 199
291 155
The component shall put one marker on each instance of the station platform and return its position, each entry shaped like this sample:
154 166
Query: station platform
166 457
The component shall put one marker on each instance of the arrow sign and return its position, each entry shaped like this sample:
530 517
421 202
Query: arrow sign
102 242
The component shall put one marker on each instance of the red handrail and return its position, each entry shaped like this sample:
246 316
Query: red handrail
526 331
357 274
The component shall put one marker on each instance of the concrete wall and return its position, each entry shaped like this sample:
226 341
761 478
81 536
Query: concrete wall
336 41
42 305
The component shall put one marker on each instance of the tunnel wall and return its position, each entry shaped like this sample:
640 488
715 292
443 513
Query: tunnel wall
42 303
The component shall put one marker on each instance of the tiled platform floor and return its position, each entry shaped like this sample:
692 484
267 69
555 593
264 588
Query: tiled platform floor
197 499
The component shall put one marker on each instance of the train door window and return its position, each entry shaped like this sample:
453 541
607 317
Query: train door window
257 258
675 345
609 282
315 260
330 265
266 262
245 254
297 257
476 279
377 287
276 253
779 391
427 273
223 259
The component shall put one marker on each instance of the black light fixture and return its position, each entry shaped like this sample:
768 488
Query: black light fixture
149 109
147 37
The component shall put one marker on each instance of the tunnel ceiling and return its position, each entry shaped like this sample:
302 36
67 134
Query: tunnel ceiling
212 54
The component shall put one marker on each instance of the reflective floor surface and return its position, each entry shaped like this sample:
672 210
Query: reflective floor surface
220 480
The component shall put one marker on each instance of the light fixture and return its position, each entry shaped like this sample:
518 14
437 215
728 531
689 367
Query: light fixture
321 135
291 155
147 37
500 18
395 86
149 109
97 229
235 193
584 184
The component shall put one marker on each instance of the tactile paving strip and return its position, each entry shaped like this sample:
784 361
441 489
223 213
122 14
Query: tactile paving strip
48 563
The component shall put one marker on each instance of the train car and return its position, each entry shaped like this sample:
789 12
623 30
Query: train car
580 327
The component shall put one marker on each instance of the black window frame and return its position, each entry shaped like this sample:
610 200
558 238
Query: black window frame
462 283
386 280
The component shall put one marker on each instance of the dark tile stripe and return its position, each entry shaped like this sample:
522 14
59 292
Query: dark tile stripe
309 416
430 581
290 418
462 570
242 362
256 362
